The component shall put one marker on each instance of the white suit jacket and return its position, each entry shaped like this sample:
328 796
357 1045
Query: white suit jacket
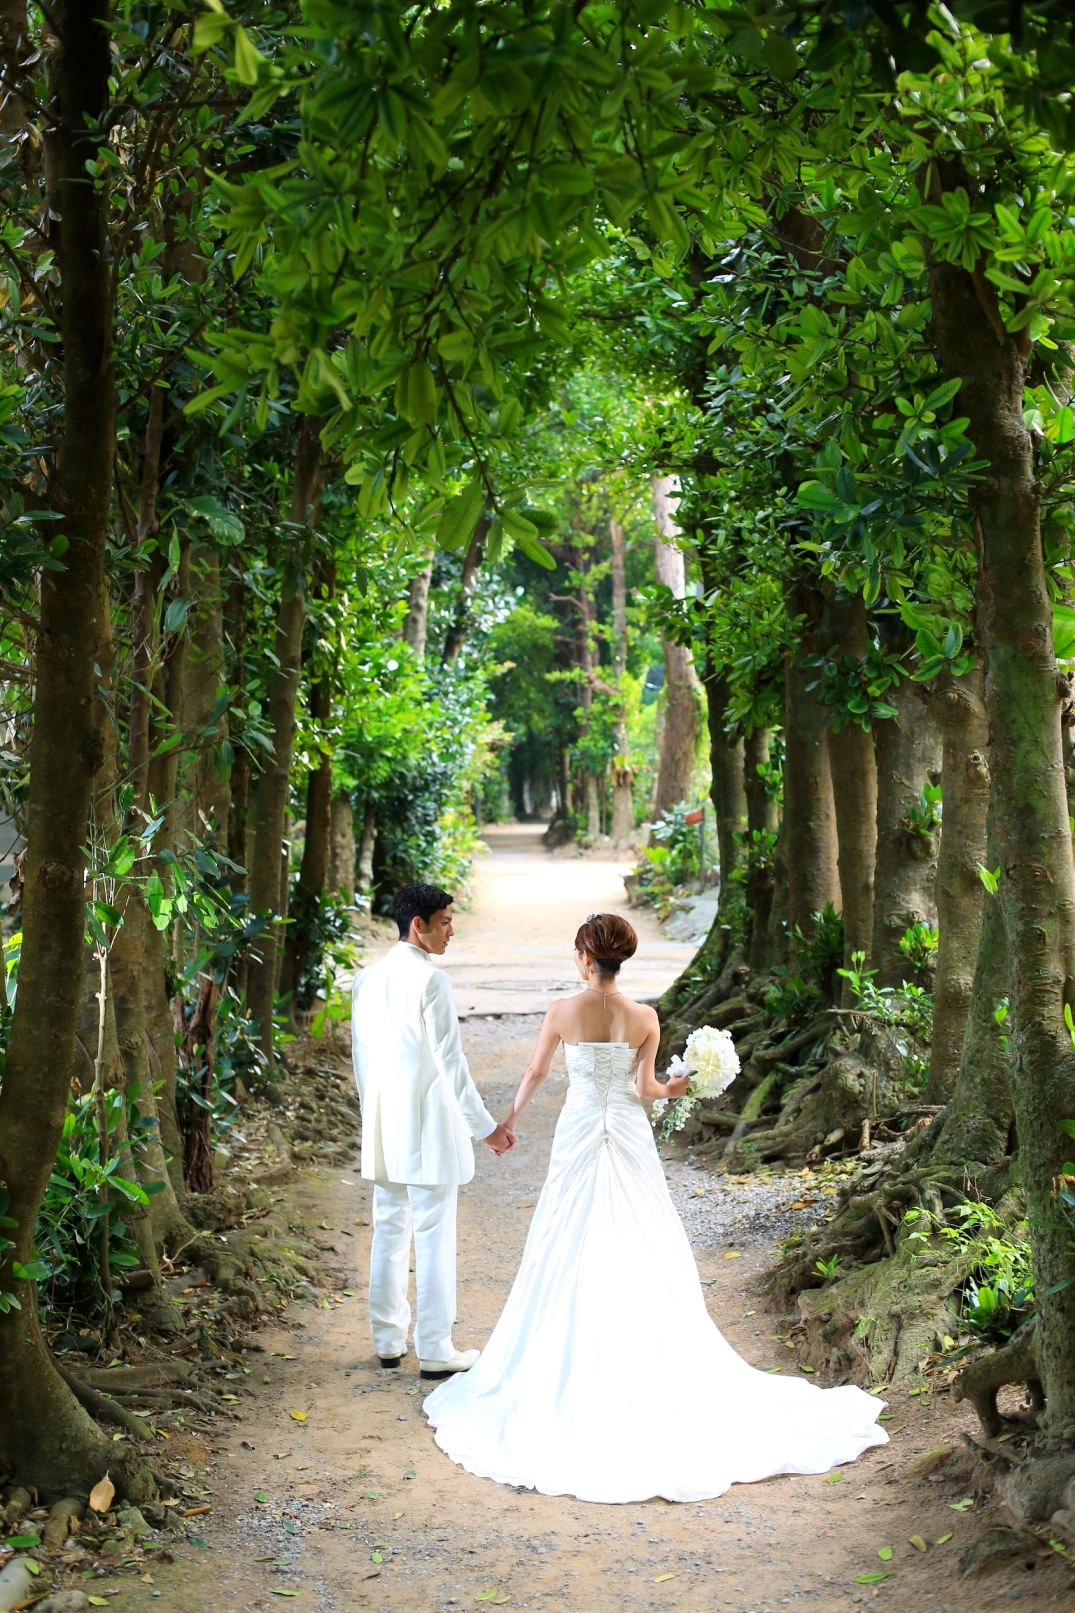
420 1107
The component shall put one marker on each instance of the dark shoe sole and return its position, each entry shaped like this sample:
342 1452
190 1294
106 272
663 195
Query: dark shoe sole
435 1375
389 1361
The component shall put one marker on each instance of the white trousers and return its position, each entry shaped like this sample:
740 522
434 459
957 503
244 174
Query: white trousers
428 1212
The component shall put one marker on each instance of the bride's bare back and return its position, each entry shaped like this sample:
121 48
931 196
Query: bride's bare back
600 1012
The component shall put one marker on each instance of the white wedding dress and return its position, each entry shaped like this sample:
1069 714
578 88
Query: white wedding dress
605 1378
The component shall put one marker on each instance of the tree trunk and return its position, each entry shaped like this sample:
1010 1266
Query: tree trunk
593 807
623 809
166 723
680 731
472 564
975 1127
763 824
908 752
143 606
46 1438
341 877
416 620
854 791
204 813
1024 697
367 846
313 869
273 785
809 813
958 703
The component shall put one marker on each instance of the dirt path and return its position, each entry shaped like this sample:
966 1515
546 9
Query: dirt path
352 1507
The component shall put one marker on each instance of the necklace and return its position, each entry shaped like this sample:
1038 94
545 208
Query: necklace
604 996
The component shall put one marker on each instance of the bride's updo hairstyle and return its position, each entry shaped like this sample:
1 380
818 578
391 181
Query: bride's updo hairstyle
608 940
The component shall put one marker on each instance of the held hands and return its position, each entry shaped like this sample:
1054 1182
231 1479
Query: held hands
500 1141
675 1086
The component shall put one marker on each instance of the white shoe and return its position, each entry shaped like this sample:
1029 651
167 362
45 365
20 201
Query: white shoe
461 1361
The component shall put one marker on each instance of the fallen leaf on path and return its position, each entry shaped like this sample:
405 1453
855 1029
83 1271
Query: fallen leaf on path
147 1579
260 1496
374 1573
833 1478
371 1495
289 1526
21 1542
917 1542
299 1416
102 1494
396 1515
97 1601
485 1596
1002 1437
282 1591
662 1577
410 1473
194 1512
1058 1545
943 1541
731 1254
750 1313
870 1579
278 1456
804 1368
961 1506
375 1557
885 1553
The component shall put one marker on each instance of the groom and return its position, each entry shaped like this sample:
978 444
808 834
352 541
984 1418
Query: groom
420 1110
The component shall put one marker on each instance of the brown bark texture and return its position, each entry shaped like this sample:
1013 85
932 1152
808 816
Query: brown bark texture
341 864
46 1438
854 790
204 809
472 564
623 811
366 848
316 845
975 1126
809 813
908 751
960 711
763 818
1024 697
273 784
416 621
679 733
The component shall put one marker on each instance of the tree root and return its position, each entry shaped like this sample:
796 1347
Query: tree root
876 1323
1015 1362
102 1409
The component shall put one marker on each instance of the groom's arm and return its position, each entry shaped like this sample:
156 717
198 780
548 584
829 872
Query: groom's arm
442 1023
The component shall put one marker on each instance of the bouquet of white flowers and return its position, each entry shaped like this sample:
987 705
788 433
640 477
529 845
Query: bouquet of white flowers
712 1063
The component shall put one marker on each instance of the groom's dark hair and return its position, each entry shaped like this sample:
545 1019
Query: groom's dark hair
418 902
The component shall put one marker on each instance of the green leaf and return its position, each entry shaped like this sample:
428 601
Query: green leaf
210 29
885 1553
421 396
990 881
460 516
222 522
781 56
21 1542
247 57
816 496
871 1579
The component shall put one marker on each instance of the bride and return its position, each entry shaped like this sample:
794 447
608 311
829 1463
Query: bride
605 1378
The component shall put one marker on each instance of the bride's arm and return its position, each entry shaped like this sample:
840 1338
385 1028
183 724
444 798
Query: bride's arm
538 1068
646 1083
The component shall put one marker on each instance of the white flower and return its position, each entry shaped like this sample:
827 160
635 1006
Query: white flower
710 1055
